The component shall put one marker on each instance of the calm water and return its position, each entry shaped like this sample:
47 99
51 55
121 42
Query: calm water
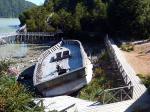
8 25
11 50
15 50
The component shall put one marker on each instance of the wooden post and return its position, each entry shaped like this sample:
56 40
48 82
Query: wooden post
28 38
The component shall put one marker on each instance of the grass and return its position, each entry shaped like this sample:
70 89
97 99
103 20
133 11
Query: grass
103 78
127 47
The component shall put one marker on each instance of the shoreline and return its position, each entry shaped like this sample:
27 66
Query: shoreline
30 59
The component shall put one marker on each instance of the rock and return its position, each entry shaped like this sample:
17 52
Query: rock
31 61
2 42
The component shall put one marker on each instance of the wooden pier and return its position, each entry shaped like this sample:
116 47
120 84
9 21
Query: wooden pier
31 37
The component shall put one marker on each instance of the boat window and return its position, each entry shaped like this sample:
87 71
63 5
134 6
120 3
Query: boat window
58 56
66 54
52 59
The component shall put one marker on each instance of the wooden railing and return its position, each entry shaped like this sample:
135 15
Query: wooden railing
120 93
38 33
113 56
38 72
30 37
116 94
29 33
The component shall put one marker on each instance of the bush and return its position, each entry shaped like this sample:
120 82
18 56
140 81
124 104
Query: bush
4 65
145 80
14 97
98 72
104 56
127 47
99 82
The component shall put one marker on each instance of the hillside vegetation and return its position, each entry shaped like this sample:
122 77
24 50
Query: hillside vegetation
128 18
12 8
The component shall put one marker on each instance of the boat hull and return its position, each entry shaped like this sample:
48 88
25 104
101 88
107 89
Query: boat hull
66 89
74 79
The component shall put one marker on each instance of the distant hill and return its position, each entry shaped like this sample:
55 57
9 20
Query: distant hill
12 8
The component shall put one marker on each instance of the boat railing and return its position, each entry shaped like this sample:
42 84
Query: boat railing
41 58
55 47
49 51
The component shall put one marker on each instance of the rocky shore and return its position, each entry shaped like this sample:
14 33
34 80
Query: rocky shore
34 51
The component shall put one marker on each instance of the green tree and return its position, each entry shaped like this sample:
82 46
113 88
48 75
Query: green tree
130 17
66 20
80 12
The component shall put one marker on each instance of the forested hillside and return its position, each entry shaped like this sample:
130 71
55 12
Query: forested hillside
12 8
128 18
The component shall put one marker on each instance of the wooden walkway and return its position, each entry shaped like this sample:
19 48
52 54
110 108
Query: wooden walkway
139 88
140 98
3 35
30 37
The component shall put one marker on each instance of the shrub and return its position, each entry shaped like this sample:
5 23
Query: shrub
104 56
145 80
104 78
14 97
98 72
127 47
4 65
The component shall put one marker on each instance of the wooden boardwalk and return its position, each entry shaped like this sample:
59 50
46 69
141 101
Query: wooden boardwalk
30 37
3 35
140 98
139 88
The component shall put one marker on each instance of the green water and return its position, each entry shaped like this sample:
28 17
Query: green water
9 25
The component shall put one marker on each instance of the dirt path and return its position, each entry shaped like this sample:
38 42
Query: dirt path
139 59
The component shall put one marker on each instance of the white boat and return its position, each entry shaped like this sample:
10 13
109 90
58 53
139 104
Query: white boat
62 69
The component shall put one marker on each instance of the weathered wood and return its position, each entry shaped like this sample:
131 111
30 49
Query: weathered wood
30 37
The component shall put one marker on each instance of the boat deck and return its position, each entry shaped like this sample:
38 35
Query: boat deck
49 67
